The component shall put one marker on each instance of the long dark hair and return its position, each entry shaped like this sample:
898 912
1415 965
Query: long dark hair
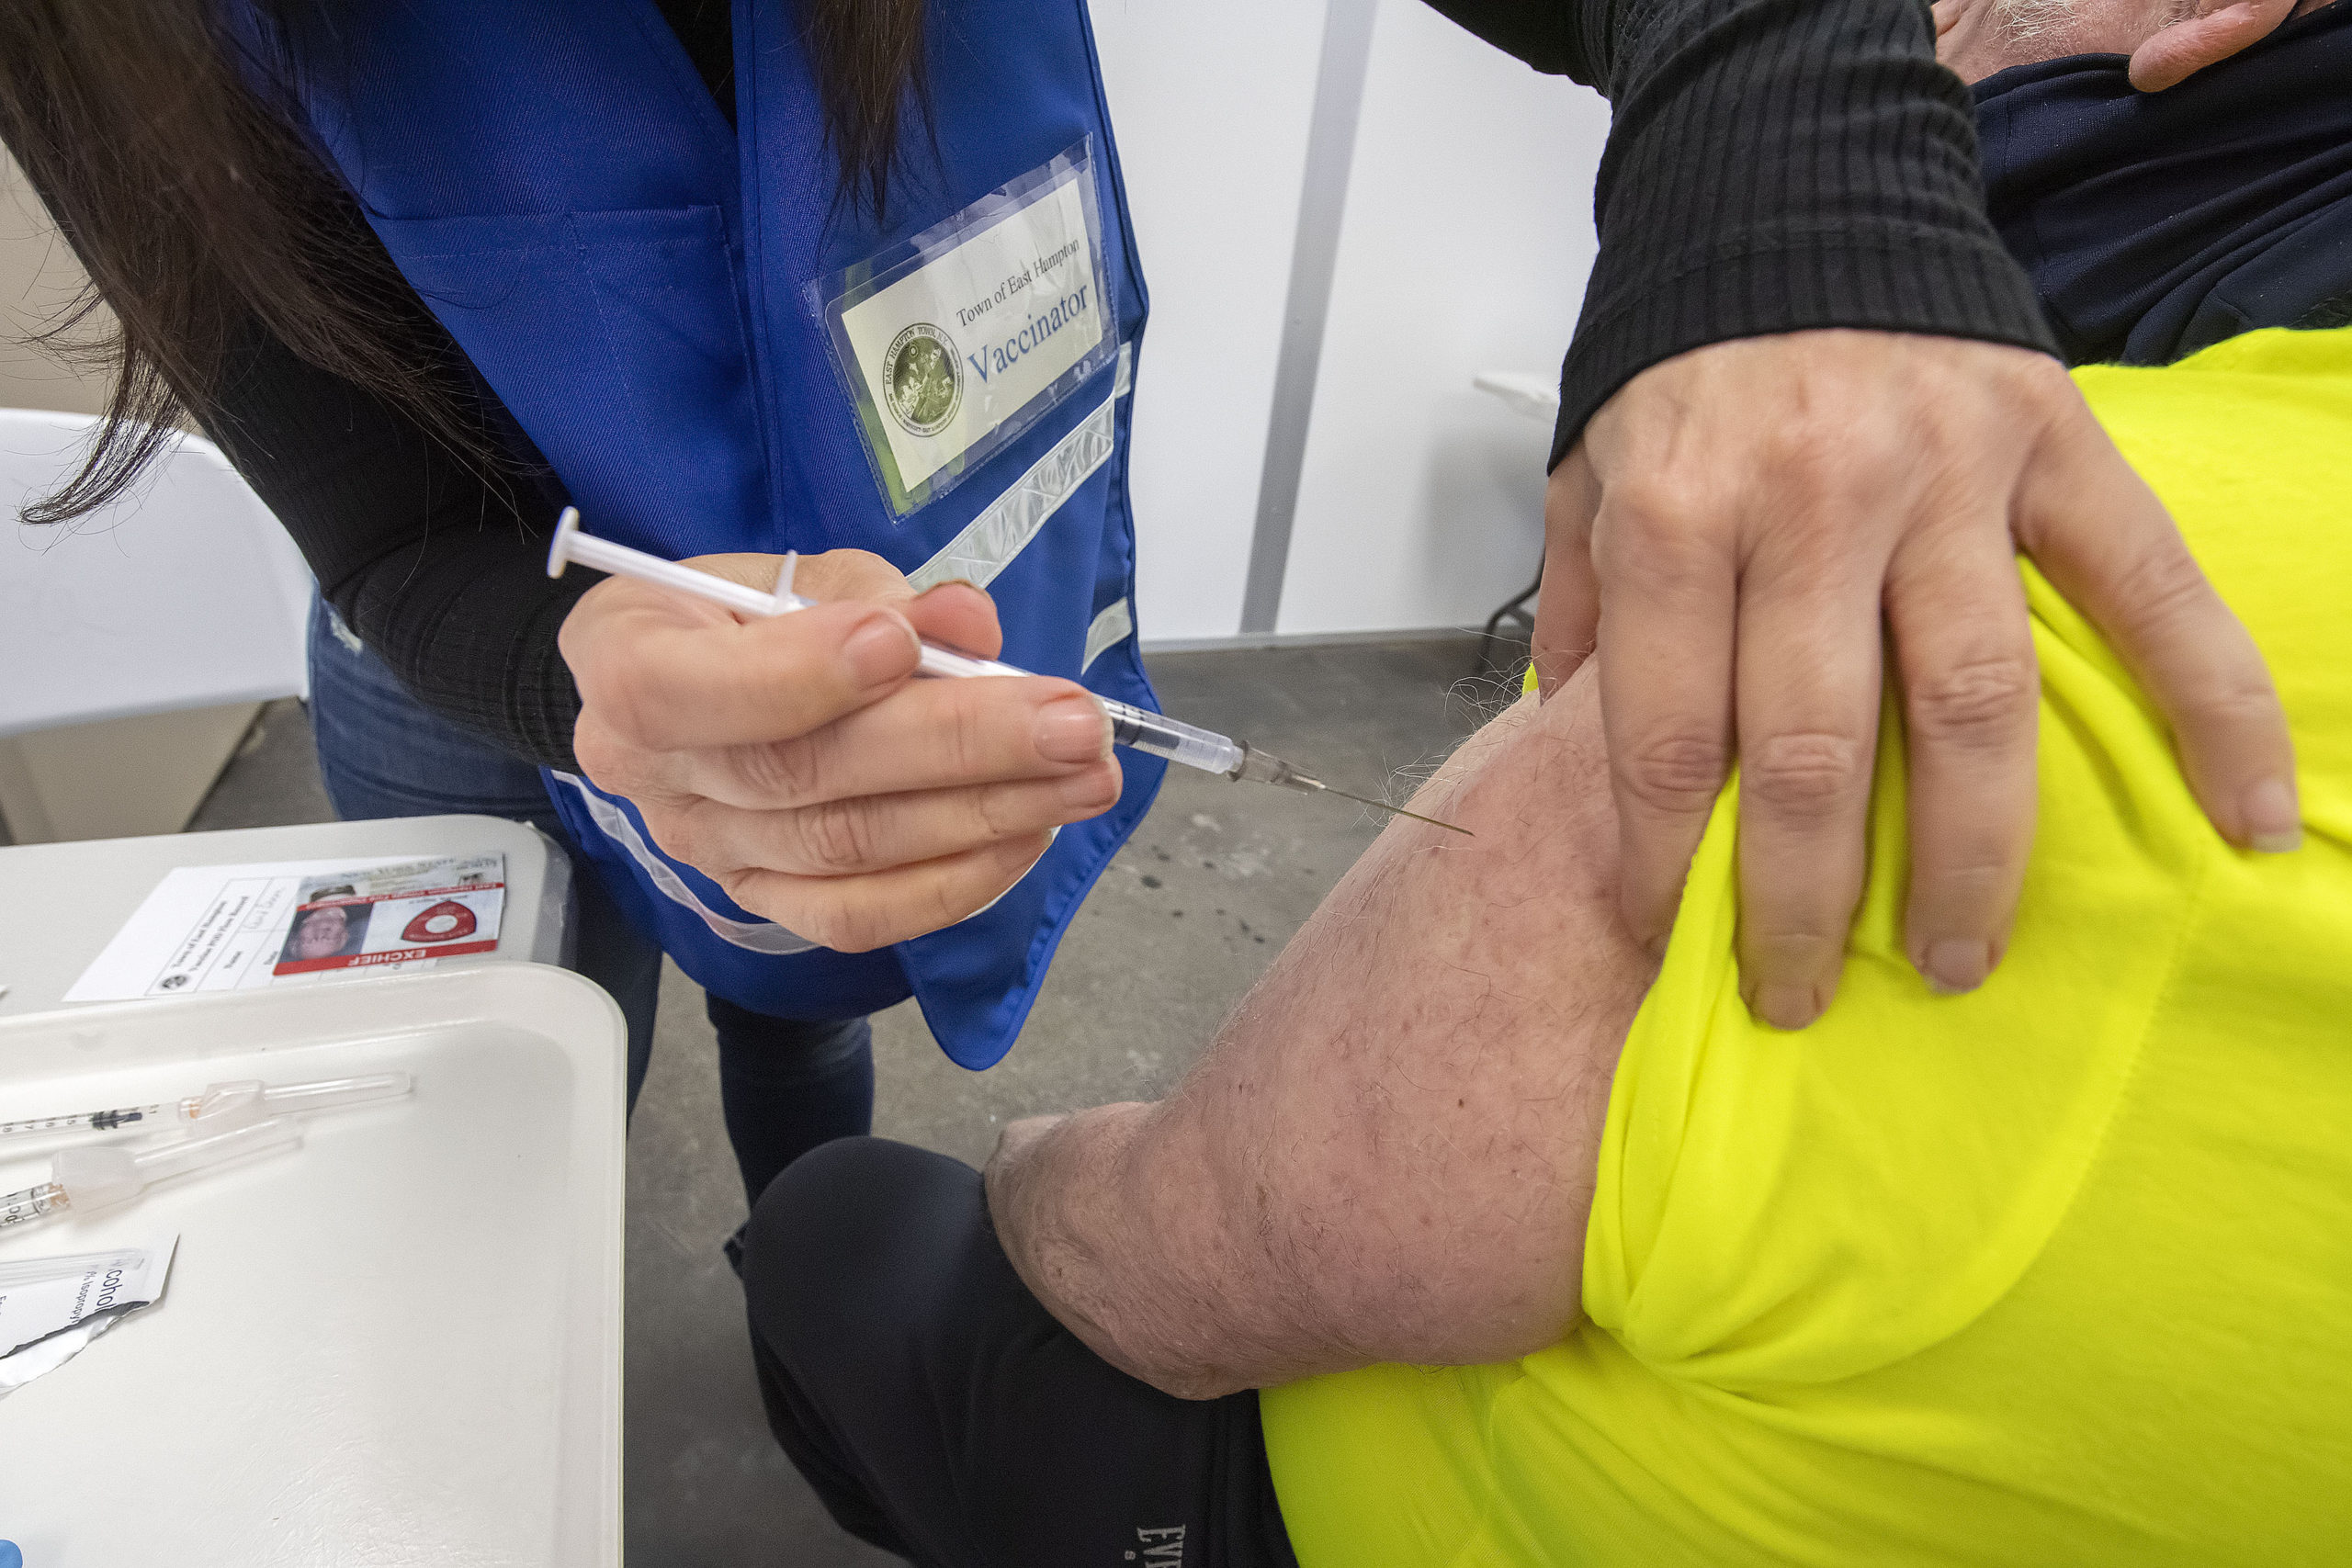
201 214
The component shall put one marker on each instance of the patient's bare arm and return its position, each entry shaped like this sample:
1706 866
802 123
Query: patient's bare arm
1388 1153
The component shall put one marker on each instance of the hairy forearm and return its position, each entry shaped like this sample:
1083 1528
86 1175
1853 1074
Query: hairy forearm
1388 1152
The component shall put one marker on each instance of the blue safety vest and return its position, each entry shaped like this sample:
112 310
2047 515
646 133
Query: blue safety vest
660 301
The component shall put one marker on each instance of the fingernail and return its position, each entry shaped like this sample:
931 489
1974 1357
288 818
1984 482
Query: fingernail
1073 730
1785 1006
952 582
1956 965
2273 825
1091 790
882 649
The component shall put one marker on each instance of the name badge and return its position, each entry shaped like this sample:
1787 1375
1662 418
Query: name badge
953 342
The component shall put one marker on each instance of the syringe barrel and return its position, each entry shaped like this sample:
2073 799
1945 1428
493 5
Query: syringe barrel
96 1121
1179 742
22 1207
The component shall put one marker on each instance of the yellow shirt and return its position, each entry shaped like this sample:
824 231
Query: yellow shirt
2059 1272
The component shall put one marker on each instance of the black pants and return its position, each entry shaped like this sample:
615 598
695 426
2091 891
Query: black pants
943 1414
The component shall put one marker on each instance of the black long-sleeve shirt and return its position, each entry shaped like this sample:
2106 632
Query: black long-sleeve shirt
1773 166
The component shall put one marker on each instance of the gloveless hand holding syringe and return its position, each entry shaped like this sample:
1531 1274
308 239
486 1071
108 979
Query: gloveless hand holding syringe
1155 734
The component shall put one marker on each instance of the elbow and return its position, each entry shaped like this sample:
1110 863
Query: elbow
1186 1369
1359 1338
1199 1353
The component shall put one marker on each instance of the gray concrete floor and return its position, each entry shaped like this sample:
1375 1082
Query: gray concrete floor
1186 918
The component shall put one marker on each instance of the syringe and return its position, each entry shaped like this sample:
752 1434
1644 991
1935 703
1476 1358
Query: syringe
221 1104
97 1174
1154 733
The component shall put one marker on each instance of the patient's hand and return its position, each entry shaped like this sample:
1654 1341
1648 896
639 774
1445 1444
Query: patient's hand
1388 1153
2168 42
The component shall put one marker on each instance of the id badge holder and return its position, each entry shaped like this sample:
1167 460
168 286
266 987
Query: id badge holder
953 344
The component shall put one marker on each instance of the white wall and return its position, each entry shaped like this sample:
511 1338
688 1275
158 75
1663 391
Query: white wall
37 277
1209 101
119 778
1466 246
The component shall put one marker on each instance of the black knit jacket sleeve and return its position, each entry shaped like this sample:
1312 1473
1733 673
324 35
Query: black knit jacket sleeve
438 566
1773 166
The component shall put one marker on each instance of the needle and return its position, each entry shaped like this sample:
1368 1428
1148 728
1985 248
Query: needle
1381 806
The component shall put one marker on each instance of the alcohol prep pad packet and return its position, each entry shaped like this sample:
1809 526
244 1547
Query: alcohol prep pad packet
52 1307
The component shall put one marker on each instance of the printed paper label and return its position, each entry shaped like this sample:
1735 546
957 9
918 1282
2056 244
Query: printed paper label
965 340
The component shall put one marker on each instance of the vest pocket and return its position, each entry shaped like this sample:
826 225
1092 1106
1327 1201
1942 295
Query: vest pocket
617 340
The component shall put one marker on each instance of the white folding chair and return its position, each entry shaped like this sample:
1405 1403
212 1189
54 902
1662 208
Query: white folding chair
136 643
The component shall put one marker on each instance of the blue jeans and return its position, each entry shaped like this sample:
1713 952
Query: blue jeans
786 1086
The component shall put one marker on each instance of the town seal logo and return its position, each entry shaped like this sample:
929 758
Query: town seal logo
923 381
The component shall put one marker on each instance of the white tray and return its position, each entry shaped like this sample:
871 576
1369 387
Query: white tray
398 1343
